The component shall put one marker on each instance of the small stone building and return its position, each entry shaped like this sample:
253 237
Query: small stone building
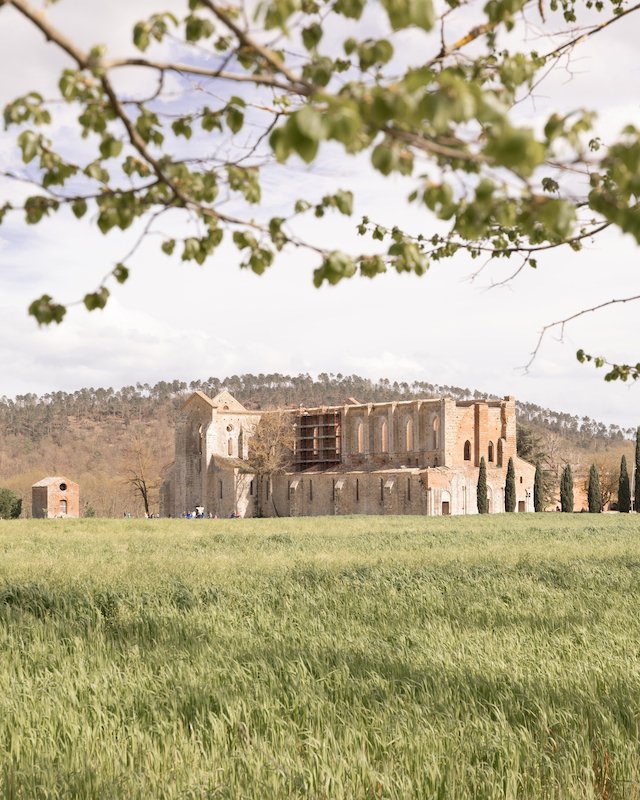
405 457
55 497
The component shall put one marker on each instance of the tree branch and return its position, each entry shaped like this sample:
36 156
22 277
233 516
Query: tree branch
189 69
583 36
269 56
562 322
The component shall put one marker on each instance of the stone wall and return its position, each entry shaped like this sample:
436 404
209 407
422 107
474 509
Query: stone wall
409 457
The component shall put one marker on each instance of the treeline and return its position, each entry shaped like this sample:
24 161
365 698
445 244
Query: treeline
51 415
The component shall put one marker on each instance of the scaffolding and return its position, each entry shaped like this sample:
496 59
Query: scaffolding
318 439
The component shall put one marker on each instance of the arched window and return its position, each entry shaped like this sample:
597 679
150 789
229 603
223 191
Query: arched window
500 452
316 440
490 451
467 450
230 447
384 437
63 506
409 436
360 437
436 433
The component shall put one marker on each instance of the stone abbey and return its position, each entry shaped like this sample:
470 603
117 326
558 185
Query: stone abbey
405 457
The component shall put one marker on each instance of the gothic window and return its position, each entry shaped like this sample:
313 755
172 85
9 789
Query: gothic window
500 452
360 437
316 440
467 450
436 433
409 446
230 447
490 451
384 437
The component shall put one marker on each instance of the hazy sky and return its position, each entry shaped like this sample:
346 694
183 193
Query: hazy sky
174 320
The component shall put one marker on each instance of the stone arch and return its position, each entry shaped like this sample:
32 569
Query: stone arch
467 450
409 445
241 444
384 437
360 436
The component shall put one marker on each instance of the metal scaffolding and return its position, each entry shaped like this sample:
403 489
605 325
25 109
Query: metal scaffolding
318 439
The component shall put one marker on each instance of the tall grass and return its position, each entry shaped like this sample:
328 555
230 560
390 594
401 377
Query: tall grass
321 658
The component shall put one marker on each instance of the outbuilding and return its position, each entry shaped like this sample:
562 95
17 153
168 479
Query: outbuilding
55 497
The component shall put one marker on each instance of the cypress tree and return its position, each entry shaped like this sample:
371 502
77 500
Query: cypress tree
594 496
624 490
510 488
538 490
483 506
637 475
566 490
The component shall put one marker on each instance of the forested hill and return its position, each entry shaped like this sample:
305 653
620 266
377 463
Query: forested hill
36 417
94 435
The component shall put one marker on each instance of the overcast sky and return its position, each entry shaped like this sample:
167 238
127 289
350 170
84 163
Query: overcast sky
174 320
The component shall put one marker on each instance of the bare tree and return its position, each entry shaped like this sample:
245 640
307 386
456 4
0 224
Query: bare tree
271 452
142 468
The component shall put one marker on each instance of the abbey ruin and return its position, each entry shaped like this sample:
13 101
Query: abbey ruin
409 457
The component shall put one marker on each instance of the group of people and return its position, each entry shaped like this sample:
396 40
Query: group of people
198 513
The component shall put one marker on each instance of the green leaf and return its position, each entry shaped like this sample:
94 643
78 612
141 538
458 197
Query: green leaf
96 171
30 144
210 120
182 127
234 118
349 8
198 28
311 35
46 311
120 273
97 299
168 246
403 13
110 147
79 207
141 37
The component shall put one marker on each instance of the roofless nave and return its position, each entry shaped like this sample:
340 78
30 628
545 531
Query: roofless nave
409 457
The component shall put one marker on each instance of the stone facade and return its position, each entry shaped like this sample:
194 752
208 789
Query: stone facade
408 457
55 497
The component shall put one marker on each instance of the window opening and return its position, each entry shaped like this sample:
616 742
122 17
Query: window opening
409 436
384 436
360 437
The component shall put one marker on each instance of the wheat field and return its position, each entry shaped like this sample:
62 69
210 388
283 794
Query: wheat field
405 657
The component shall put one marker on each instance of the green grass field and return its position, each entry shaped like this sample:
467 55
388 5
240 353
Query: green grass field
494 657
